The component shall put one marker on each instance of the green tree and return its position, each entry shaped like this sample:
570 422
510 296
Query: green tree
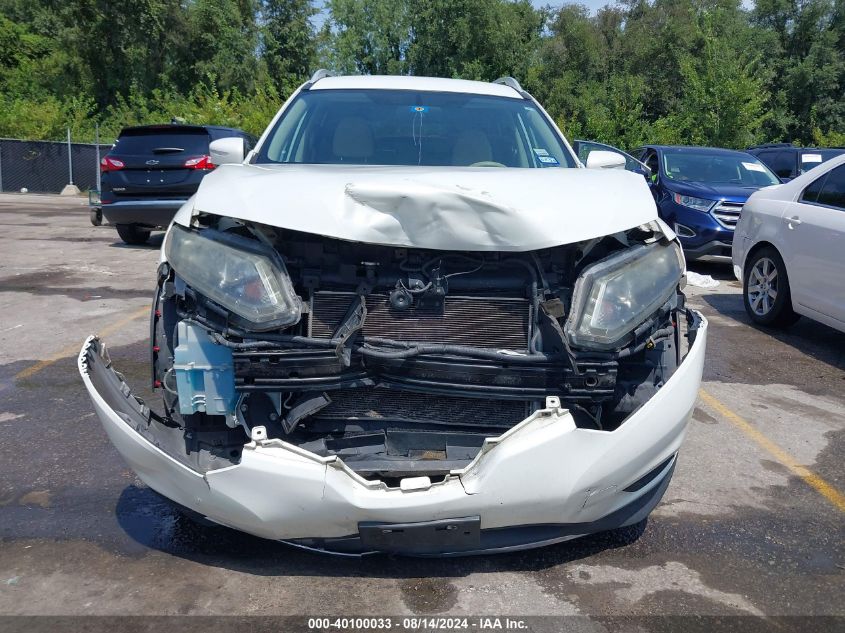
368 36
473 39
805 44
222 40
288 43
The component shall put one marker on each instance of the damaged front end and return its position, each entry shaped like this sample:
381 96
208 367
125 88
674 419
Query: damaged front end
401 361
401 371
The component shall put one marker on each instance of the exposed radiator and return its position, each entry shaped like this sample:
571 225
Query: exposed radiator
493 322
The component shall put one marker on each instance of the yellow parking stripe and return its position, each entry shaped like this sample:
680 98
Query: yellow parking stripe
826 490
72 350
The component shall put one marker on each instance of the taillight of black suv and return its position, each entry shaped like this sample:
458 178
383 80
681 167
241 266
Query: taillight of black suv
152 170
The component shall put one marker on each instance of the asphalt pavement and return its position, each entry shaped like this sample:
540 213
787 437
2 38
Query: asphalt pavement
752 523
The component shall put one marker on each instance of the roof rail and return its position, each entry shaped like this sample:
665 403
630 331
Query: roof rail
510 82
762 145
320 74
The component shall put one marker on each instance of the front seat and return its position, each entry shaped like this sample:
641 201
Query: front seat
471 146
353 141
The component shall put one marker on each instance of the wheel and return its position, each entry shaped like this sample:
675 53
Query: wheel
765 290
132 234
96 215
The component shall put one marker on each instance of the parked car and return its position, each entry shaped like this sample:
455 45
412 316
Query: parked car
789 250
788 161
700 191
583 149
411 321
152 170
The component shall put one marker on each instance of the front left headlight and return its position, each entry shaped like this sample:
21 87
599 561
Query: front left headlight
615 295
240 274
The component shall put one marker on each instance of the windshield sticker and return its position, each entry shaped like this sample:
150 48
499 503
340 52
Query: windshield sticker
540 151
419 109
811 158
548 160
754 167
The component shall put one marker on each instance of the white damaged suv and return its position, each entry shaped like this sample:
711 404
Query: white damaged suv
411 321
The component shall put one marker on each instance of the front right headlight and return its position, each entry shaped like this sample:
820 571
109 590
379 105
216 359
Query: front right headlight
239 274
615 295
699 204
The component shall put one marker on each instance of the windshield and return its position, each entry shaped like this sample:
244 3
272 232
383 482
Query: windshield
406 127
736 169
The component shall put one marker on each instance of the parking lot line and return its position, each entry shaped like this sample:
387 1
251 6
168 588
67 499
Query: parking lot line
836 498
72 350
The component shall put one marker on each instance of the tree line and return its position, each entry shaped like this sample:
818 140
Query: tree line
709 72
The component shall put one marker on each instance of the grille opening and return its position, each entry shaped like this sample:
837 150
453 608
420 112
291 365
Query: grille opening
727 213
388 434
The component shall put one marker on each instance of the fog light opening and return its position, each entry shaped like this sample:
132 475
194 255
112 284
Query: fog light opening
684 231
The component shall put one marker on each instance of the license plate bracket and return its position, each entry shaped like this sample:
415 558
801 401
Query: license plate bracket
427 537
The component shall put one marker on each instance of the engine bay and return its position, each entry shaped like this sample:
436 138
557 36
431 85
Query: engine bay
402 361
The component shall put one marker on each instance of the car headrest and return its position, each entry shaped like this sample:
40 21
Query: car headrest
471 146
353 139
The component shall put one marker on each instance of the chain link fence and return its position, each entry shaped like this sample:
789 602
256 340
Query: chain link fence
43 166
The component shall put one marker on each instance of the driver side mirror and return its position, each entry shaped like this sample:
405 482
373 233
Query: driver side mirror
601 159
227 151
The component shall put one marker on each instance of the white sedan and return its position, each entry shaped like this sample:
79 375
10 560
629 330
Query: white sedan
789 249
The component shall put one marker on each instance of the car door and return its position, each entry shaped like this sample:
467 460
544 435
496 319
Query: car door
814 238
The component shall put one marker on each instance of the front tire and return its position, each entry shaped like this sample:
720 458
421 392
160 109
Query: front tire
765 290
132 234
96 216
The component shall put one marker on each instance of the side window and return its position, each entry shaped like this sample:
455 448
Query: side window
765 157
833 190
811 159
782 163
651 162
811 193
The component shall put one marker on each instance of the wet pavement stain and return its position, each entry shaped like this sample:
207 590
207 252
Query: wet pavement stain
700 415
47 283
809 356
81 210
775 467
428 595
73 240
40 279
40 498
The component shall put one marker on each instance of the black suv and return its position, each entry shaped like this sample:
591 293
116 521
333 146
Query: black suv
152 170
789 161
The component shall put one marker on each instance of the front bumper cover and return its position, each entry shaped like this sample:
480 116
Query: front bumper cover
542 481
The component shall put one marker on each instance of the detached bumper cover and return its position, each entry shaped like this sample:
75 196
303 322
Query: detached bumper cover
544 480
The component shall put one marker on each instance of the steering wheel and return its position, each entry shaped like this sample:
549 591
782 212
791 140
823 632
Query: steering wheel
487 163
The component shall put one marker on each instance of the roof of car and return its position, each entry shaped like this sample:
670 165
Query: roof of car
694 149
404 82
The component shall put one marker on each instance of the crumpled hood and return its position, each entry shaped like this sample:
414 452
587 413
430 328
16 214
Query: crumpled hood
445 208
